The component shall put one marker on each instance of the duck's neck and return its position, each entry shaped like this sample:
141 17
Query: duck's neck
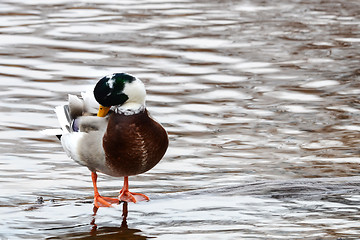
129 108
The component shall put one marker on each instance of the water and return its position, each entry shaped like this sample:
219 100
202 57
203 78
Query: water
260 101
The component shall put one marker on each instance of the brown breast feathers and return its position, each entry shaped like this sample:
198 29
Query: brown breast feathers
134 144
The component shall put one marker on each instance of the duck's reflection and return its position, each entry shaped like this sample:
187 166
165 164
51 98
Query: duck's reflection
92 223
115 232
123 223
124 214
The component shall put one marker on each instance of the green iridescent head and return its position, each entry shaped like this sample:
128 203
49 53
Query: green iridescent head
110 90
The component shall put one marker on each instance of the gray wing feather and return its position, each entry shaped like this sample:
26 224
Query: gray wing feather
92 123
76 106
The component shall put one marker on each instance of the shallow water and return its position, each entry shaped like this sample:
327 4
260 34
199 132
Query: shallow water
260 100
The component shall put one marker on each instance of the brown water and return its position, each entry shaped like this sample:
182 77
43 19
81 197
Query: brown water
261 102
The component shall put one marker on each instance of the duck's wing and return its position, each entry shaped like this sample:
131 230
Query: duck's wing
68 114
63 116
84 142
81 131
74 117
75 107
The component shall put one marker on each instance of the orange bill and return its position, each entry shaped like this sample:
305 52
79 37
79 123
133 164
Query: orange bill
103 111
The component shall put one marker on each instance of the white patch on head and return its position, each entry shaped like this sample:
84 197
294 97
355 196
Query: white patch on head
111 81
136 93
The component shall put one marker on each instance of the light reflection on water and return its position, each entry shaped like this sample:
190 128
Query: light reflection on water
260 101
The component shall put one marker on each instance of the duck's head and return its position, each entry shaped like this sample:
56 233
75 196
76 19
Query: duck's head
119 89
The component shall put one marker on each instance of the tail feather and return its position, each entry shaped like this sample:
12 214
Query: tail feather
68 114
52 132
63 115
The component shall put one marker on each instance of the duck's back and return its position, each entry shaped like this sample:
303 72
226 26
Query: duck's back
133 144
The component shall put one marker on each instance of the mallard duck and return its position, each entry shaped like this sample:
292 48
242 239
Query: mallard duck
110 131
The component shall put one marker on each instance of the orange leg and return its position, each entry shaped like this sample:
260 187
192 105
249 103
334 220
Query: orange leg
100 201
126 196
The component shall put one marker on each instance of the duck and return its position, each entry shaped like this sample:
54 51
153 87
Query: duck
109 130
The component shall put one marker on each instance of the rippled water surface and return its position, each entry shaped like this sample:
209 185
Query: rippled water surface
260 100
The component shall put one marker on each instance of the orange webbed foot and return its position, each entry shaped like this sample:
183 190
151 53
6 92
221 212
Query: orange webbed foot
100 201
126 196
